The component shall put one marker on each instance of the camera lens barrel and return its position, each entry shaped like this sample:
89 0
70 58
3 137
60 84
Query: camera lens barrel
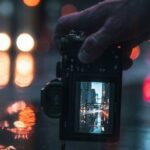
51 98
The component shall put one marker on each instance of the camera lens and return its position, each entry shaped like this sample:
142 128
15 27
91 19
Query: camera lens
51 98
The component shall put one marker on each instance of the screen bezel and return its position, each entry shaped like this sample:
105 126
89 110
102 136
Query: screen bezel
67 123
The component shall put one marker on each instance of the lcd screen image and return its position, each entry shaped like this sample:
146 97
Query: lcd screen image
94 107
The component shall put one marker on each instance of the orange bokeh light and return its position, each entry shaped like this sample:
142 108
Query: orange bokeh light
135 53
27 116
68 9
23 126
4 69
31 3
24 70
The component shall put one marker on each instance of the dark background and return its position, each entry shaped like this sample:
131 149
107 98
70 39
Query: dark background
40 21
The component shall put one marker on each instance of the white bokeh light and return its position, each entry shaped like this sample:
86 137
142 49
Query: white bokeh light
5 42
25 42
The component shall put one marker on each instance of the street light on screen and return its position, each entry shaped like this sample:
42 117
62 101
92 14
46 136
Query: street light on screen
25 42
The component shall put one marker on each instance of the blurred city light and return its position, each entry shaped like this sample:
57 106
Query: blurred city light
6 8
16 107
135 53
2 147
5 42
23 127
68 9
4 69
4 124
27 116
146 89
19 124
25 42
148 40
31 3
24 70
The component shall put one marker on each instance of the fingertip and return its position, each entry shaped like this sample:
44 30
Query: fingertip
60 25
90 50
87 50
84 57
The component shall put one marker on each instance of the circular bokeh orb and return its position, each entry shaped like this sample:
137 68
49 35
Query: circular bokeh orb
31 3
19 124
25 42
68 9
135 53
5 42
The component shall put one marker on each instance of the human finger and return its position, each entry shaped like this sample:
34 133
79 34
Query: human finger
95 44
88 20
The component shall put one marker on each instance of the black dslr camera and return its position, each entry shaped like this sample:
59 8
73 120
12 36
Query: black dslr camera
86 97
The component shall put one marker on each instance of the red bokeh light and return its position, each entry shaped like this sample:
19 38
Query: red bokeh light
135 53
146 89
68 9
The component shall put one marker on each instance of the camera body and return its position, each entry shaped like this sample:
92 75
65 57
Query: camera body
86 97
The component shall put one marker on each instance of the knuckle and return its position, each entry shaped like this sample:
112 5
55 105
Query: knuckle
91 41
61 22
59 26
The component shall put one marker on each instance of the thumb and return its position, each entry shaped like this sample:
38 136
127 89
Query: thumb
94 45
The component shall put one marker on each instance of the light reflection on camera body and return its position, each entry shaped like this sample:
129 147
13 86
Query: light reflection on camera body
86 97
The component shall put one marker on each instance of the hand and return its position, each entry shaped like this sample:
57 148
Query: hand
111 22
